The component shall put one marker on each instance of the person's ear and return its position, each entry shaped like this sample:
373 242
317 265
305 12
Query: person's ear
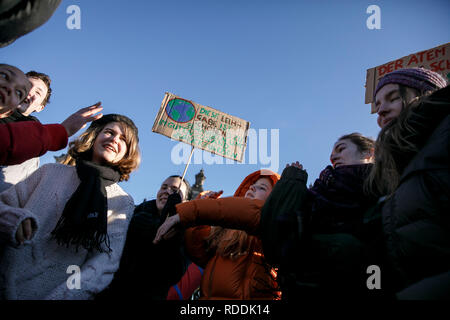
40 108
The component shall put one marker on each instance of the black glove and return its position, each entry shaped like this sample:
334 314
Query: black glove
169 209
295 173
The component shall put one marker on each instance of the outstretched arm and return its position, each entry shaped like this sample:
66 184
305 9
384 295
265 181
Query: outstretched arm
20 141
232 213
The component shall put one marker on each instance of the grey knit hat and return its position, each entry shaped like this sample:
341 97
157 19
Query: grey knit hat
417 78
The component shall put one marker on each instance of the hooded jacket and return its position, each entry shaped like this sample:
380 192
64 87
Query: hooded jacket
245 277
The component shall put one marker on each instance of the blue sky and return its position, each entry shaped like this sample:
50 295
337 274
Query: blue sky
295 66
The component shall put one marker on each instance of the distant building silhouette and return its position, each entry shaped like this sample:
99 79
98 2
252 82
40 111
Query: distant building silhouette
198 185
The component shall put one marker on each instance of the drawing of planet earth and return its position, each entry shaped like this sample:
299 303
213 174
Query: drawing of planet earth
180 110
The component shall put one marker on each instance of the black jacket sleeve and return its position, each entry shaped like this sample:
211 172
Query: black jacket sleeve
280 221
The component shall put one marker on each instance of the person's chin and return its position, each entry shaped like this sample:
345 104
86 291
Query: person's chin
108 157
104 161
386 122
160 204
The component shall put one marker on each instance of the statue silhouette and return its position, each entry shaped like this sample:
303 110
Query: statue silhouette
198 185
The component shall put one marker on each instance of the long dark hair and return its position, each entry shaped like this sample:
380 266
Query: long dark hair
403 95
363 144
400 140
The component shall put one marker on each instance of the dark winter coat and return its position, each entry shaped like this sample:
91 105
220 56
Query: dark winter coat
337 202
146 270
317 236
416 219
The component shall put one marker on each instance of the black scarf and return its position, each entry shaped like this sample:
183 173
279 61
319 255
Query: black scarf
84 219
338 196
341 187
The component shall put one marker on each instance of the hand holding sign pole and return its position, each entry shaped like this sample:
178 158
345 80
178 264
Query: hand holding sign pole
185 168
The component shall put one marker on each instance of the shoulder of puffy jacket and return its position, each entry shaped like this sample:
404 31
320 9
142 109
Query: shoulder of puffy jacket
434 155
146 207
441 95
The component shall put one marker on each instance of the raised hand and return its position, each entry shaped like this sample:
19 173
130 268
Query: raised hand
166 229
209 194
295 164
78 120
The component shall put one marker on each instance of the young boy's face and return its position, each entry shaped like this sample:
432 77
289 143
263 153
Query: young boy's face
14 88
35 99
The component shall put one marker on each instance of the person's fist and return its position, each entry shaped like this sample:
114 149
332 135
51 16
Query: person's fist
24 231
295 164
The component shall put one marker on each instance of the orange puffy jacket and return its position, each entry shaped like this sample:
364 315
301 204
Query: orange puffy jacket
246 277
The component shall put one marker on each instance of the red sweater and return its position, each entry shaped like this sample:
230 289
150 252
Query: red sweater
20 141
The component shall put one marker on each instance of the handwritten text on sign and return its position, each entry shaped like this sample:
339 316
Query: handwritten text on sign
435 59
202 127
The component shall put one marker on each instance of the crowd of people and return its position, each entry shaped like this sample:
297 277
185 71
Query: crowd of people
382 203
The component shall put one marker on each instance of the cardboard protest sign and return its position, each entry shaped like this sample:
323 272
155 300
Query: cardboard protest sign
436 59
202 127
